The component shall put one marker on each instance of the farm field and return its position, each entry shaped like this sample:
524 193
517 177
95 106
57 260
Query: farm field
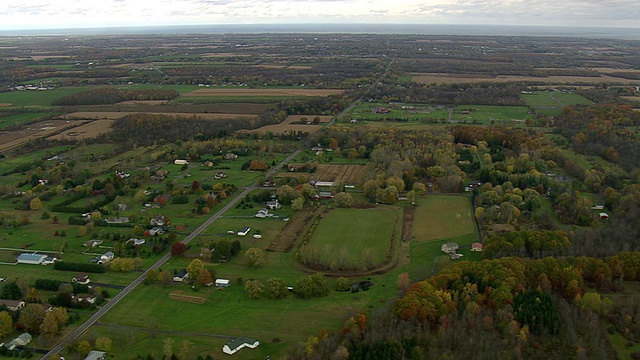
442 217
85 131
264 92
348 174
443 78
118 115
552 102
410 114
38 130
292 124
356 238
18 119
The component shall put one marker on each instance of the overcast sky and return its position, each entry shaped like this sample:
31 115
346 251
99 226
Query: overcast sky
45 14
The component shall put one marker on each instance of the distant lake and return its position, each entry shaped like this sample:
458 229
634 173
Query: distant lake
422 29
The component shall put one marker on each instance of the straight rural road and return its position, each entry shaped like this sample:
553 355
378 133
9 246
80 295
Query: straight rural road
75 334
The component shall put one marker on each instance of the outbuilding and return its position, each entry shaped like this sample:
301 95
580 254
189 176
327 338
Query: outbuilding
31 258
223 283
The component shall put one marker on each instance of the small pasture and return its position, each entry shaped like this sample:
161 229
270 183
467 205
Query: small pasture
441 217
355 238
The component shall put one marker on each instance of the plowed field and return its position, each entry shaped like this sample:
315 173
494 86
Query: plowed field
348 174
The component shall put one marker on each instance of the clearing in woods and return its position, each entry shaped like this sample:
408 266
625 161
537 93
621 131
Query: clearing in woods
442 216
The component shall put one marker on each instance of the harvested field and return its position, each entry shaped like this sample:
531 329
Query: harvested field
178 295
264 92
291 232
5 104
632 98
439 78
348 174
221 55
38 130
292 124
142 102
86 131
118 115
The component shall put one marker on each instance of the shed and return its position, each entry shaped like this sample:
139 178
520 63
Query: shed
180 162
476 246
31 258
223 283
238 343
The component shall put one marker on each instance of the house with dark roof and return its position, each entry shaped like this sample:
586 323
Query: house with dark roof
13 305
181 275
244 231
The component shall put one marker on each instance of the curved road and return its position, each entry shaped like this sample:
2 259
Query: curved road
75 334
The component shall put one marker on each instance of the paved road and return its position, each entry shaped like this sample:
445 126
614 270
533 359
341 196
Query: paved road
114 301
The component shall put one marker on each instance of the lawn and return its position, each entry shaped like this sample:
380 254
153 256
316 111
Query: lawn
441 217
358 231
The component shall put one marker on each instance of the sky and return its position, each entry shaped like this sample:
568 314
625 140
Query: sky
62 14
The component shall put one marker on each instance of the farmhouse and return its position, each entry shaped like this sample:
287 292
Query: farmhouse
93 243
96 355
157 220
49 260
81 278
244 231
274 205
262 213
223 283
238 343
13 305
449 248
156 231
106 257
181 275
136 242
31 258
476 246
117 220
180 162
23 340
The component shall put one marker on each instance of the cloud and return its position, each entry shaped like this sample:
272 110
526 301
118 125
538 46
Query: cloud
55 13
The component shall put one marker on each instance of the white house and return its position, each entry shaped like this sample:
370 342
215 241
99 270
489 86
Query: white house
81 279
223 283
238 343
262 213
106 257
181 275
244 231
96 355
22 340
274 205
31 258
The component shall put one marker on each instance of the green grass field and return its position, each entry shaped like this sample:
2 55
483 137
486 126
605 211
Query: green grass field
18 119
552 102
357 231
424 113
442 217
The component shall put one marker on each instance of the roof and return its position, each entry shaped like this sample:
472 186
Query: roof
11 303
222 281
95 355
240 341
22 340
182 273
31 257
